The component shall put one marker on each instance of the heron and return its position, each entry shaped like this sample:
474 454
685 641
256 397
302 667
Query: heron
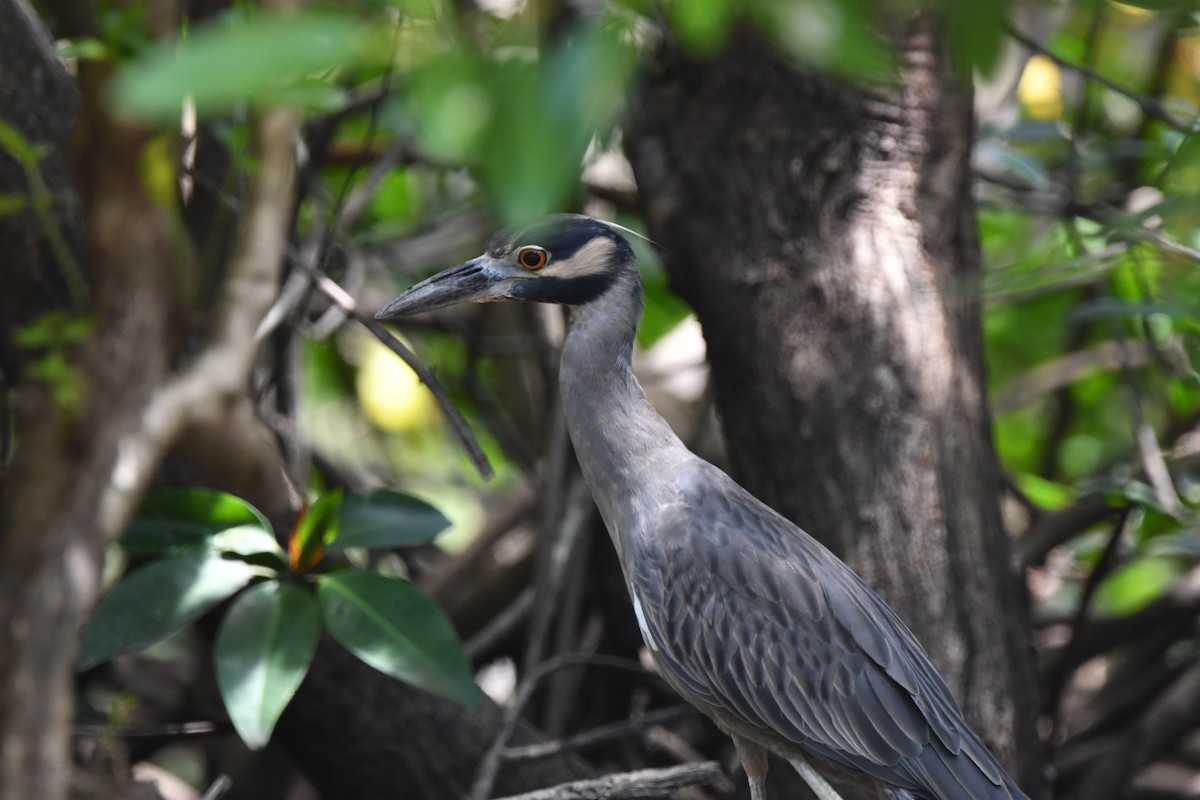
749 618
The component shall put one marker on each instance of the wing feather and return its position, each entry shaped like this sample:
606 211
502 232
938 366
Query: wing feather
757 620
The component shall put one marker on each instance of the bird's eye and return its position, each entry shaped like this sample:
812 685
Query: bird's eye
532 257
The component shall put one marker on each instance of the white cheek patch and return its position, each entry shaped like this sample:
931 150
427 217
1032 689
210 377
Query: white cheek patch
591 259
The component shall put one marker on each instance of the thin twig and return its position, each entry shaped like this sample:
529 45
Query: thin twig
1061 668
458 424
341 221
490 763
220 786
601 735
41 200
1164 723
1149 105
1052 528
166 731
559 471
644 783
501 625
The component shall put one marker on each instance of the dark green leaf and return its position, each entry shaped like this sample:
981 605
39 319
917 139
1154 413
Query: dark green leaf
387 519
262 653
159 599
177 518
390 625
976 31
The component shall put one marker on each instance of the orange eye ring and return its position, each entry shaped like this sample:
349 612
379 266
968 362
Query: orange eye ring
532 257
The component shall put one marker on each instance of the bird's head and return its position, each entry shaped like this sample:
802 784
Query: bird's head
566 258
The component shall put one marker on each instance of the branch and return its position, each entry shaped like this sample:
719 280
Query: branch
490 763
1163 725
600 735
205 390
1059 373
458 425
1060 668
1052 529
645 783
1149 105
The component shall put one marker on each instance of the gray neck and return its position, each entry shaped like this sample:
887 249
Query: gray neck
624 446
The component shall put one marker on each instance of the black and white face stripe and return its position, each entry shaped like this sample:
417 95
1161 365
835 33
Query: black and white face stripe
566 259
583 258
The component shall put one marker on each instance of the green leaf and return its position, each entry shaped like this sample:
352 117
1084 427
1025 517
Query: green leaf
11 203
245 540
1136 584
84 49
240 60
175 518
316 527
976 32
1044 493
703 25
263 650
451 106
390 625
664 310
387 519
159 599
17 146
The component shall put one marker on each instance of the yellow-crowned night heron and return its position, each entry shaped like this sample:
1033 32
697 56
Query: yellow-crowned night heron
747 616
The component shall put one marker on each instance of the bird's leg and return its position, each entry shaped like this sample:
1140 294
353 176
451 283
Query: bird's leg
754 761
815 781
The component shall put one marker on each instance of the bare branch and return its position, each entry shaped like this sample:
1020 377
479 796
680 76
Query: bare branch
458 425
1061 372
601 735
645 783
488 767
1052 529
1149 105
205 389
1165 722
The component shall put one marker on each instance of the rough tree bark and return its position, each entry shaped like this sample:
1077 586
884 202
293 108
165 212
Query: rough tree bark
825 238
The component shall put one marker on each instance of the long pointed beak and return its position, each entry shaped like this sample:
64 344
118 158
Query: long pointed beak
477 280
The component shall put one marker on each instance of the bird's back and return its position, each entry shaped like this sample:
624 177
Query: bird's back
767 631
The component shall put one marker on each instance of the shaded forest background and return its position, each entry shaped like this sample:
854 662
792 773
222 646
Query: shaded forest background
948 324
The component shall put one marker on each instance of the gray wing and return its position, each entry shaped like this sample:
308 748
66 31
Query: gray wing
761 622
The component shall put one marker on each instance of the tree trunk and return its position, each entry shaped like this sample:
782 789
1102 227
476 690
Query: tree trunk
825 238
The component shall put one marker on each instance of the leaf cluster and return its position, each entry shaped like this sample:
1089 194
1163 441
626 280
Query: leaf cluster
205 548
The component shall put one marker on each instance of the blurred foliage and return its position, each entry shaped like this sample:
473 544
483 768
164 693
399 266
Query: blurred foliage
1092 302
454 117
